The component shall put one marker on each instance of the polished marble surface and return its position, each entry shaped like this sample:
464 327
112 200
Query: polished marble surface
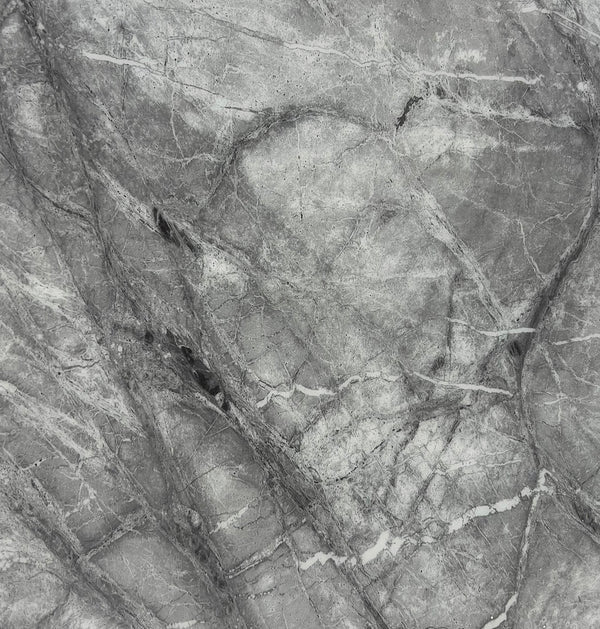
300 314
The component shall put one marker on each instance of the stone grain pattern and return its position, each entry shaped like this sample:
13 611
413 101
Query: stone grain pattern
300 314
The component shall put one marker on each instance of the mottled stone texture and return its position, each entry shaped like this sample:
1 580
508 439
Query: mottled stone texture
300 314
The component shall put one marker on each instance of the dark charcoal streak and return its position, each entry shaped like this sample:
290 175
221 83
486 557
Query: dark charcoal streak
171 232
164 227
410 103
204 377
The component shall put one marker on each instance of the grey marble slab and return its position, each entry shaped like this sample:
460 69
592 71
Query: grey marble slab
299 314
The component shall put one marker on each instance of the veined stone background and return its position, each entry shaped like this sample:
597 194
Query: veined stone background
299 314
